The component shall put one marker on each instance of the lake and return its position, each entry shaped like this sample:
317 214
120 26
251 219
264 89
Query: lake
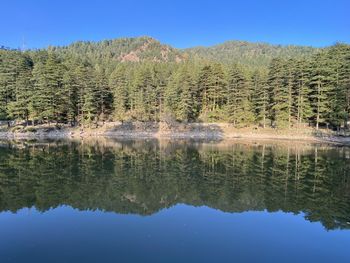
114 200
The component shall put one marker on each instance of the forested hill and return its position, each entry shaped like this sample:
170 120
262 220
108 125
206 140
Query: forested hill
138 49
250 54
142 49
130 79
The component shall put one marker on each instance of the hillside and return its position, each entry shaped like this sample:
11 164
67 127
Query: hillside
247 53
141 49
88 83
137 49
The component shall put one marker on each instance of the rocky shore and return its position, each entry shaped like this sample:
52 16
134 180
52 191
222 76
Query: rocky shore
211 131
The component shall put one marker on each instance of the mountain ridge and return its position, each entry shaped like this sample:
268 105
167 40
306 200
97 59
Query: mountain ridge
250 53
145 48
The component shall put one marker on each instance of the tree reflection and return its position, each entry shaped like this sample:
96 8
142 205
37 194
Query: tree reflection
145 176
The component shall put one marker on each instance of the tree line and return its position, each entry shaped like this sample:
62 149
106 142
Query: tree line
48 86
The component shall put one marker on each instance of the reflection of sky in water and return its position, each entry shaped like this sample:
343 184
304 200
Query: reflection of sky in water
178 234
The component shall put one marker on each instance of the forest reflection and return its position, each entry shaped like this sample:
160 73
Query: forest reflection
145 176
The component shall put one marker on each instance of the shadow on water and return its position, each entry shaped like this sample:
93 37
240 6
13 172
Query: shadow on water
145 176
209 131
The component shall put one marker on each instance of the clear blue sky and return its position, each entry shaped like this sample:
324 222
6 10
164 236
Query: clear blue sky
179 23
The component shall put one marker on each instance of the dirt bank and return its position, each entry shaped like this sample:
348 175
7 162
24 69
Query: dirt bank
212 131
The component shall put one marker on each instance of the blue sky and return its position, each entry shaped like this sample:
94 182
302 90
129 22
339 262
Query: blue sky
179 23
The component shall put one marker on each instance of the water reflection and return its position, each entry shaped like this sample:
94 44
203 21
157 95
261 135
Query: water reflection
143 177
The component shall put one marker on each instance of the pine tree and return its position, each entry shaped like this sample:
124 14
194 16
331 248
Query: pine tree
144 94
80 86
85 93
302 91
345 82
290 89
204 85
89 97
185 108
173 94
337 57
161 75
260 97
104 94
8 75
279 89
181 95
19 107
48 102
119 85
239 98
216 91
321 89
71 89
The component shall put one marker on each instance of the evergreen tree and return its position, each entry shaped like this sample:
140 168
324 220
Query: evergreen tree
104 94
19 107
89 97
345 82
239 98
71 90
88 83
48 102
260 97
339 64
8 75
280 96
204 85
321 89
86 94
302 91
216 91
119 84
181 95
173 94
144 94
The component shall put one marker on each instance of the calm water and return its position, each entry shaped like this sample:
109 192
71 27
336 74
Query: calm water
151 201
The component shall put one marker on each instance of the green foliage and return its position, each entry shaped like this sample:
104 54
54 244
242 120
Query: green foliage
119 85
301 91
239 98
48 99
144 96
279 83
8 75
110 52
260 96
89 83
181 95
322 89
19 108
254 55
104 95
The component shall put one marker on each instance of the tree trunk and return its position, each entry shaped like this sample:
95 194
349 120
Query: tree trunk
318 105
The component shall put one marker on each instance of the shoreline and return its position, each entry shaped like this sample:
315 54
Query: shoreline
196 131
